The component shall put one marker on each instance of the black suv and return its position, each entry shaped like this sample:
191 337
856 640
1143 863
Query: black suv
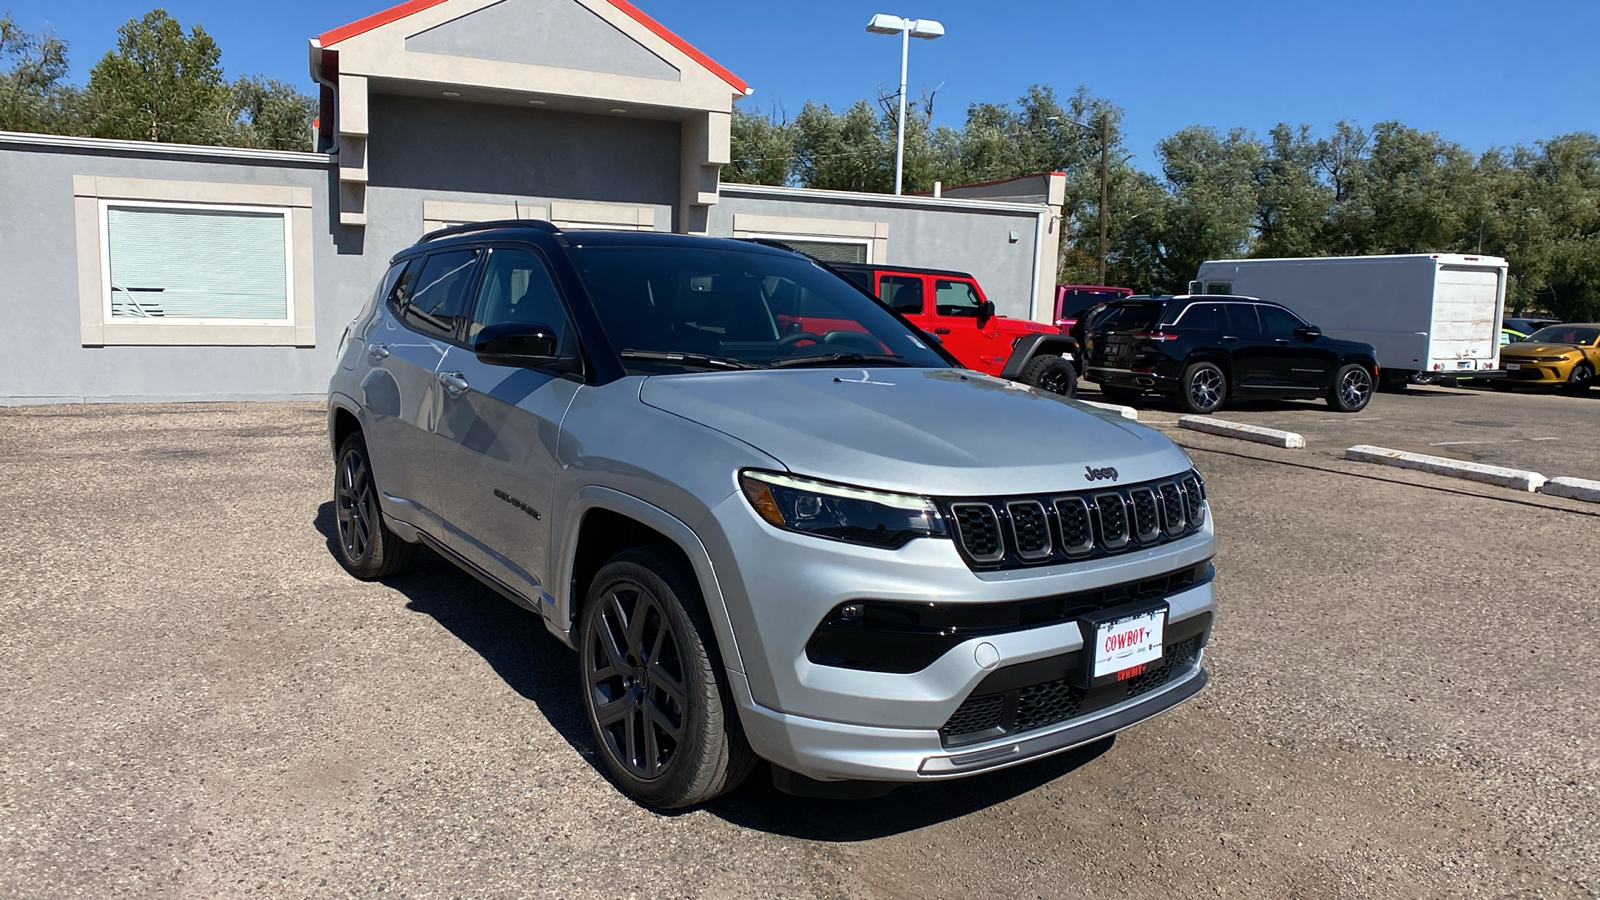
1201 350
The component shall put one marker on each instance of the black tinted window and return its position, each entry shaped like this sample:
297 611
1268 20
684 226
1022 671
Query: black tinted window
1128 317
1202 317
1242 321
517 288
440 295
1278 322
902 293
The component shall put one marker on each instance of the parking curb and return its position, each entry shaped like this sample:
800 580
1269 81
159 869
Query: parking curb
1572 489
1127 412
1517 479
1270 436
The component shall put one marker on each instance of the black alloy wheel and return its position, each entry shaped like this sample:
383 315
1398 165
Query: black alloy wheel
665 725
1051 373
1202 388
366 547
1351 390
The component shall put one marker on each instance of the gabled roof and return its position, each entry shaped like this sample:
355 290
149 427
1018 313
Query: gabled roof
411 7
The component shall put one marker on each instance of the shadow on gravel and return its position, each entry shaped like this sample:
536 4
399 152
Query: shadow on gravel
512 640
760 806
515 643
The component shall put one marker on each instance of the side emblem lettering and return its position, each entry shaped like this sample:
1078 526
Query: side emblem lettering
517 503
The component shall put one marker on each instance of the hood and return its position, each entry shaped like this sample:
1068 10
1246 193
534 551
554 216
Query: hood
925 431
1526 349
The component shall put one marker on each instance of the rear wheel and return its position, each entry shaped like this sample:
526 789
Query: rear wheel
367 548
1123 395
1202 388
1581 379
1351 390
665 725
1051 373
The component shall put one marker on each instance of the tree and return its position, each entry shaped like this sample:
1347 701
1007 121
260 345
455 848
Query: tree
762 148
162 85
272 114
30 88
1293 202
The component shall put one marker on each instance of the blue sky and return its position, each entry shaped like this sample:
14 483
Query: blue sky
1483 74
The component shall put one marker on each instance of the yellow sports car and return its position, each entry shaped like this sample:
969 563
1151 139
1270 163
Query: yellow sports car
1566 355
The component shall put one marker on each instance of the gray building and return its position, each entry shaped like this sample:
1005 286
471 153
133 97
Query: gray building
155 271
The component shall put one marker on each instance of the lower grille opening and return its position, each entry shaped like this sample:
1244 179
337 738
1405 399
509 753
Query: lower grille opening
988 715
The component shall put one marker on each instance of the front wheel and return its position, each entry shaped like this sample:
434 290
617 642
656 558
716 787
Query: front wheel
1351 390
666 727
1051 373
1581 378
1202 388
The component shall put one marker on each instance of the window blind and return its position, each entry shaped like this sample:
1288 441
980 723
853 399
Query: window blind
175 263
830 251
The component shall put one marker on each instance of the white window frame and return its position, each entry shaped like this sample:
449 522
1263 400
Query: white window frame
819 239
93 196
141 322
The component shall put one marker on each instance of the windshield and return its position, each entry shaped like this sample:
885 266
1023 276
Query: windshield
678 309
1563 334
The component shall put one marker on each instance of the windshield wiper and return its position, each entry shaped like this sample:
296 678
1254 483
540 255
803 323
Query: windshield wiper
825 358
688 359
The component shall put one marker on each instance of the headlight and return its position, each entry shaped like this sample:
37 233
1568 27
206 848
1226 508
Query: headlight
840 512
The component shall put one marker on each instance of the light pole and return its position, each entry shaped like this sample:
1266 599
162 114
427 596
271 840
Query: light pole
928 30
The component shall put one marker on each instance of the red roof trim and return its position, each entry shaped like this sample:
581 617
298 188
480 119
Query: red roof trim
411 7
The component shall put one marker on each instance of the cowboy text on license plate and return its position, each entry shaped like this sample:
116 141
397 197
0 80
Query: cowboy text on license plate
1128 642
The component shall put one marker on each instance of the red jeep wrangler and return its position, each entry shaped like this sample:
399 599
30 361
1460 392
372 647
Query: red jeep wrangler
951 307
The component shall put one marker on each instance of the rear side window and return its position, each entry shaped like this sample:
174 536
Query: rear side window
1202 317
439 298
1128 317
901 293
1242 321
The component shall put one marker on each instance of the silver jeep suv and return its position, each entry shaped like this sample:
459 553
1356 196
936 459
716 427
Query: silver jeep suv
775 520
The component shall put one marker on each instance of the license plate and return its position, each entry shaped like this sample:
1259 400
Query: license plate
1127 642
1464 364
1512 367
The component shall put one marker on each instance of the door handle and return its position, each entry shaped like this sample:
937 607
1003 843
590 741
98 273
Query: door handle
378 351
454 382
1229 337
941 331
1280 340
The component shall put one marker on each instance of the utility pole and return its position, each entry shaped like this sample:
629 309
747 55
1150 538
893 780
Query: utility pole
1105 148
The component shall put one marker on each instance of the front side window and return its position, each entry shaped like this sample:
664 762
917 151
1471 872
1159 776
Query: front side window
738 309
198 263
517 288
1278 322
956 298
439 297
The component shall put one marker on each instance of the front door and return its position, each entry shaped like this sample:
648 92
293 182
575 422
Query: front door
956 304
402 389
1296 362
499 429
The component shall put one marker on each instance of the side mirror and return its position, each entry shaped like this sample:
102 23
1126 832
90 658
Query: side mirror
985 312
525 345
1308 332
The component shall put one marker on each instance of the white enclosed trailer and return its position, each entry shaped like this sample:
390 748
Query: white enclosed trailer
1429 315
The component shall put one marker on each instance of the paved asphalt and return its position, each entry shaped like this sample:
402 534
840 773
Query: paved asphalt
199 702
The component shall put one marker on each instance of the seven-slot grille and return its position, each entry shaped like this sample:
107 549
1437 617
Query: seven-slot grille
1010 532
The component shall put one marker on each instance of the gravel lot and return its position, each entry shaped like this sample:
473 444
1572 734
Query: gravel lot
201 702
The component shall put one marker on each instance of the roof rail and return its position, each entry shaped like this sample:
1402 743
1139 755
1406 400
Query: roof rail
453 230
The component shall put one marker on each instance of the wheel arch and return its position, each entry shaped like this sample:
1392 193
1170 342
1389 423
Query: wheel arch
344 419
1368 362
609 522
1031 345
1218 358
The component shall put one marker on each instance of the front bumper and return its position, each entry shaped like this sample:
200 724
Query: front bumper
1540 373
831 723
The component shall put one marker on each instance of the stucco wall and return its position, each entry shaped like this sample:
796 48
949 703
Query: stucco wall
972 238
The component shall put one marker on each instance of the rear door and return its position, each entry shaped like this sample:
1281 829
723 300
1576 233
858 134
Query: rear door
907 294
1466 318
402 388
1255 358
956 304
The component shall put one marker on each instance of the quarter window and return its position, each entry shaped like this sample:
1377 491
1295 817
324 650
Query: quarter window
440 296
1202 317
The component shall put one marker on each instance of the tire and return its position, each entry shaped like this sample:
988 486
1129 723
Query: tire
364 544
1581 379
1051 373
1126 396
1202 388
648 662
1351 390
